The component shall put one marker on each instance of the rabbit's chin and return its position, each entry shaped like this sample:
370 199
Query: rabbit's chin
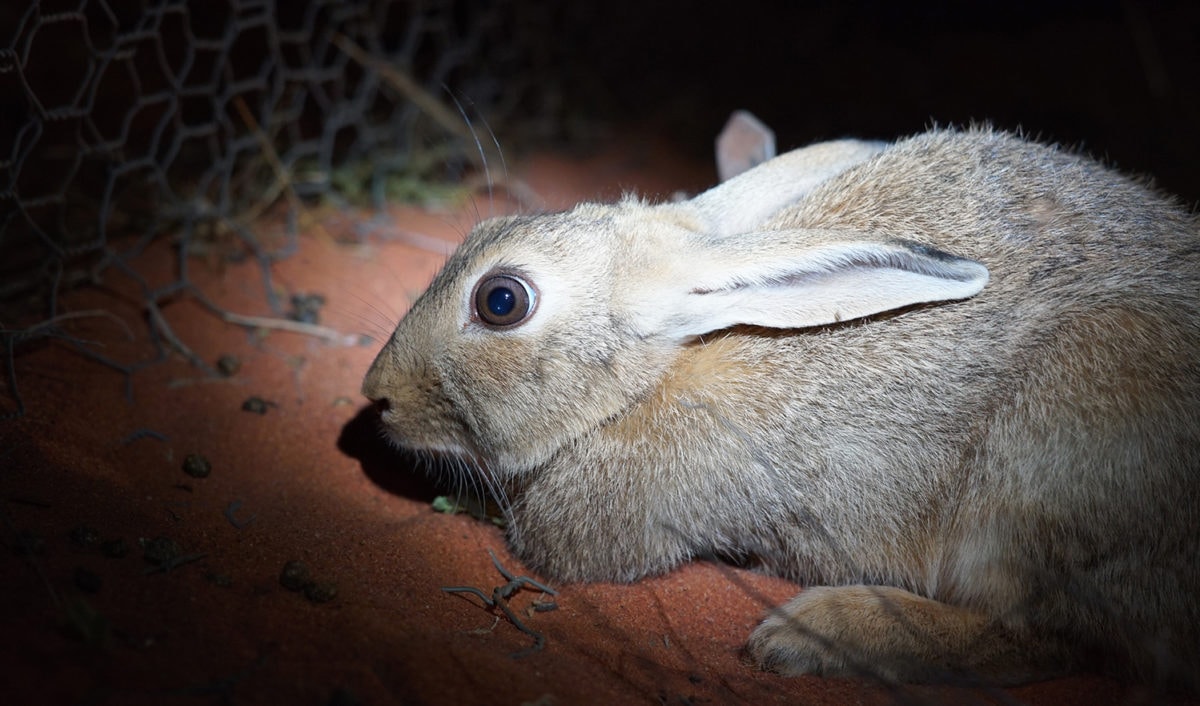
456 453
424 440
500 466
440 447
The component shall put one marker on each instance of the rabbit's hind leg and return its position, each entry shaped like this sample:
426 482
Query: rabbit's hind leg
893 635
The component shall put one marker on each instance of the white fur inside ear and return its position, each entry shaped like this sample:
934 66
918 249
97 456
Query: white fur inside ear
820 286
817 300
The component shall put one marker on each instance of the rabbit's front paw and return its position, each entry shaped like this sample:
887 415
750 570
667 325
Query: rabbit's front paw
890 634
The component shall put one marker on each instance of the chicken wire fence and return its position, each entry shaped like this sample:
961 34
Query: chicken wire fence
125 122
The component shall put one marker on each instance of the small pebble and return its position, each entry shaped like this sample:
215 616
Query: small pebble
256 405
197 466
85 537
294 576
161 550
320 592
306 308
229 365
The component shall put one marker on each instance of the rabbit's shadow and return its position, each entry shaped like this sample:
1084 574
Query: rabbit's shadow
396 470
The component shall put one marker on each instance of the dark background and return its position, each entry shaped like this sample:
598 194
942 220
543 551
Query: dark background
1120 80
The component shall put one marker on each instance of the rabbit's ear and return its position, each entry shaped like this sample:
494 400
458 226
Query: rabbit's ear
771 280
746 201
744 142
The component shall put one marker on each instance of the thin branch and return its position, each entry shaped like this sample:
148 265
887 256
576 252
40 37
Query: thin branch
324 333
160 322
404 83
283 180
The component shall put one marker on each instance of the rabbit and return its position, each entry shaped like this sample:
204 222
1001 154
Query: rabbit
951 384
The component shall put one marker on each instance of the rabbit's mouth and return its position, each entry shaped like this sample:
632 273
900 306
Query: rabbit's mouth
418 415
430 448
429 437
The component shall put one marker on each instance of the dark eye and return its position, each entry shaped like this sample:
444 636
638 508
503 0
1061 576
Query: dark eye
503 300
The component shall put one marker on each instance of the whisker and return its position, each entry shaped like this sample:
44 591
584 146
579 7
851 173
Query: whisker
499 153
487 173
374 319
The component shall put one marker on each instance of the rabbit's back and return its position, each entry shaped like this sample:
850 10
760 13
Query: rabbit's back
1058 411
1038 216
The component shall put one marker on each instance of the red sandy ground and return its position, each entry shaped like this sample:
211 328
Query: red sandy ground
321 489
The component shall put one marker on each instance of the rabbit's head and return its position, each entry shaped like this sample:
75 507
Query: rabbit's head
542 328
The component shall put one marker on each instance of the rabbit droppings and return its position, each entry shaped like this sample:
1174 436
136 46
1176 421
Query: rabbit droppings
953 382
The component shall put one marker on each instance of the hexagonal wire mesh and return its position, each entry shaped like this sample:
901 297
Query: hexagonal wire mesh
123 122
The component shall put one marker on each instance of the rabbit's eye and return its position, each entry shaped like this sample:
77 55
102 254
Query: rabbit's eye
503 300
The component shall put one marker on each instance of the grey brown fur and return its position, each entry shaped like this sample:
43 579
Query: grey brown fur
988 474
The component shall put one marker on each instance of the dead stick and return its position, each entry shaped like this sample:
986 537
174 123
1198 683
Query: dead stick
323 332
283 181
401 81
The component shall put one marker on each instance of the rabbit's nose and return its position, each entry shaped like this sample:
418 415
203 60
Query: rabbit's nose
374 384
381 404
375 392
